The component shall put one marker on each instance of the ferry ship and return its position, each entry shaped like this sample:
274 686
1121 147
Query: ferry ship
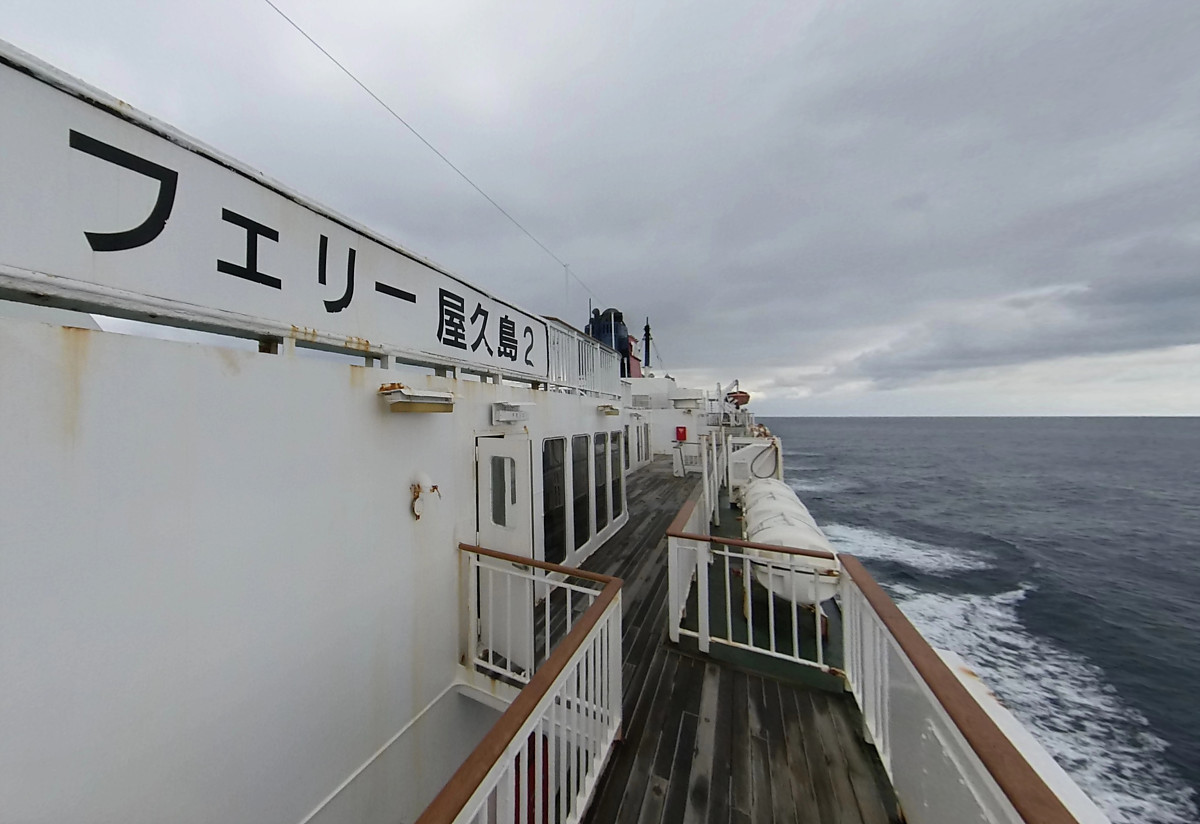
465 563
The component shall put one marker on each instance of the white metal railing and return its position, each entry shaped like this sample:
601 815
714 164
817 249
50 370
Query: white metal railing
517 613
781 629
722 571
866 652
582 364
687 457
714 457
542 759
739 420
682 558
951 755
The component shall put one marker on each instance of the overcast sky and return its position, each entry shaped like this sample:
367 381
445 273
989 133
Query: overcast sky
867 207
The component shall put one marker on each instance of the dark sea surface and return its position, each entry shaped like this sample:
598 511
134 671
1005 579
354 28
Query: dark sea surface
1059 556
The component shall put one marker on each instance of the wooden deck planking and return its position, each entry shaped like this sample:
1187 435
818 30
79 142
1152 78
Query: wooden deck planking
633 789
784 805
722 745
700 776
704 741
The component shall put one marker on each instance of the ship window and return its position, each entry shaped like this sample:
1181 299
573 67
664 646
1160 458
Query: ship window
601 480
554 499
616 472
626 442
504 476
580 491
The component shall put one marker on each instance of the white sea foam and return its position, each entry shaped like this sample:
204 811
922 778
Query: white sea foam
928 558
1105 745
802 487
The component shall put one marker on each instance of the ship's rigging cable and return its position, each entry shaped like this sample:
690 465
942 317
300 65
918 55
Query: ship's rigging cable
429 145
657 354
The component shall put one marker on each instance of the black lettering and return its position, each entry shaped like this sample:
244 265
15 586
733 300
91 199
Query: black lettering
480 339
153 225
452 319
254 231
507 347
344 301
393 292
528 333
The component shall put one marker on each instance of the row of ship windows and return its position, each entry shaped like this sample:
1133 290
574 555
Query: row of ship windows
601 457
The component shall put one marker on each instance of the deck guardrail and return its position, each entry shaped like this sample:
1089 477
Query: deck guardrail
728 567
542 759
947 757
517 614
893 672
581 364
725 565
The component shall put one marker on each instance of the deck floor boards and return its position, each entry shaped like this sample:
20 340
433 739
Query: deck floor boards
704 741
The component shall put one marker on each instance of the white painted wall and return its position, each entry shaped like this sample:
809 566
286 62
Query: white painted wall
215 603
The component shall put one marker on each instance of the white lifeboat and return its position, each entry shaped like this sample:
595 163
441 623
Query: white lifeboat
772 514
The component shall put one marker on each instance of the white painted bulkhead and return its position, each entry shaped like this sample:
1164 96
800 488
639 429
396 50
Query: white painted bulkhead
216 602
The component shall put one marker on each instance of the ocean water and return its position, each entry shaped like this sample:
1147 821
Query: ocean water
1059 556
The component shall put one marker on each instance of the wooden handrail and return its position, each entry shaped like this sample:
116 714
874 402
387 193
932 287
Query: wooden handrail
786 550
450 801
574 572
685 511
1029 794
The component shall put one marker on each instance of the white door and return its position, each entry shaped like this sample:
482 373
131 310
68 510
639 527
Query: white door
504 493
504 507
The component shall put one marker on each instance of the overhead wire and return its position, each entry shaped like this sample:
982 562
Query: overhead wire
429 145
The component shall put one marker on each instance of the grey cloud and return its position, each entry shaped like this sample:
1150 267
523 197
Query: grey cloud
1152 301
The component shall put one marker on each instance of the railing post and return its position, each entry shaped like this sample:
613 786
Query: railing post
713 482
817 615
703 550
472 610
728 465
673 563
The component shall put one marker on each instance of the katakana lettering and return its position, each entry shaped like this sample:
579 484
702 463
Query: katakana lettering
254 231
393 292
152 226
507 347
452 319
479 310
344 301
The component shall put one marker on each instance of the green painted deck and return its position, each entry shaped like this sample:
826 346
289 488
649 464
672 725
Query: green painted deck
726 737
